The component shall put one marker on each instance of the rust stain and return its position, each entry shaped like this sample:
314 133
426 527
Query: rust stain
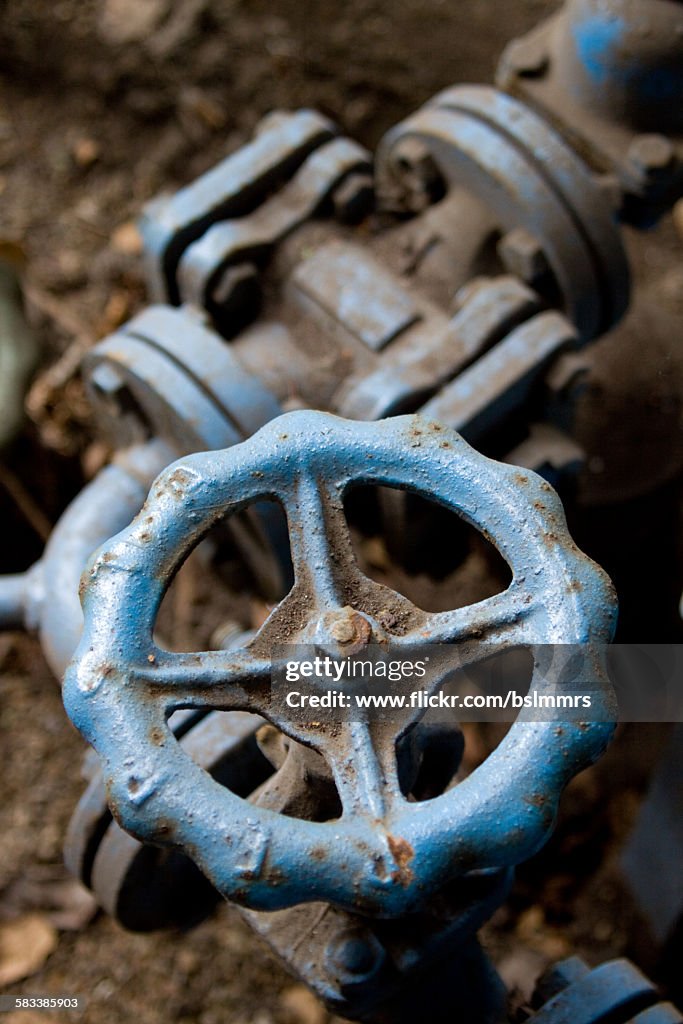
403 853
156 736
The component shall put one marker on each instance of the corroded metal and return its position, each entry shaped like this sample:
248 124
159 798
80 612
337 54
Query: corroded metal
609 74
384 855
522 169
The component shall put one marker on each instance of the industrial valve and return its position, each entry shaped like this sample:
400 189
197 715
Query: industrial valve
443 294
376 854
489 253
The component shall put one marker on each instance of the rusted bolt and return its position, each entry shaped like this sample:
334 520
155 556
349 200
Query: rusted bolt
354 198
354 957
345 628
349 627
230 634
522 254
343 631
413 157
652 155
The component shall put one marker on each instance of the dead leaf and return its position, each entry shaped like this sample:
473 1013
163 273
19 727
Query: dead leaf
25 945
302 1006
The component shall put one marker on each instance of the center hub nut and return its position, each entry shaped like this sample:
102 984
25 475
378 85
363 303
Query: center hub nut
350 630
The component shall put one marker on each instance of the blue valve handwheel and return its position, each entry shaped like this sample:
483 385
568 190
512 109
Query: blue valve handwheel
384 855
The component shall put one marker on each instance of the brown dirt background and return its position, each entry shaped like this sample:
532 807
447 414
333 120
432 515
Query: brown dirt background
98 112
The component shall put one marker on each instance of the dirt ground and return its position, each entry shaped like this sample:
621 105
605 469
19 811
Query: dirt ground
103 103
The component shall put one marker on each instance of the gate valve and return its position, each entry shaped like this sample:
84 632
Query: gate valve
383 855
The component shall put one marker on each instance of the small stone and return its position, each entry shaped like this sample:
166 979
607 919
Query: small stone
85 152
302 1006
25 945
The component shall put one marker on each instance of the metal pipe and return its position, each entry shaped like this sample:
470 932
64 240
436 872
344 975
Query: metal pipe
46 597
623 58
12 601
101 510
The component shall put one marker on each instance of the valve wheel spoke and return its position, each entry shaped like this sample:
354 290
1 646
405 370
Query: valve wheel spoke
504 620
321 549
230 680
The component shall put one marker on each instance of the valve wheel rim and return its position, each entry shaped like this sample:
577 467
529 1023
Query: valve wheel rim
308 460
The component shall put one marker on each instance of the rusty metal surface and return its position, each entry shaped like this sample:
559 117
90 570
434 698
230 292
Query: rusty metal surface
522 169
357 292
383 855
232 188
178 379
423 364
251 238
503 379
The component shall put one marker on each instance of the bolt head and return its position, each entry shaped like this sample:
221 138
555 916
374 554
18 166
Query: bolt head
345 630
354 957
522 254
348 627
